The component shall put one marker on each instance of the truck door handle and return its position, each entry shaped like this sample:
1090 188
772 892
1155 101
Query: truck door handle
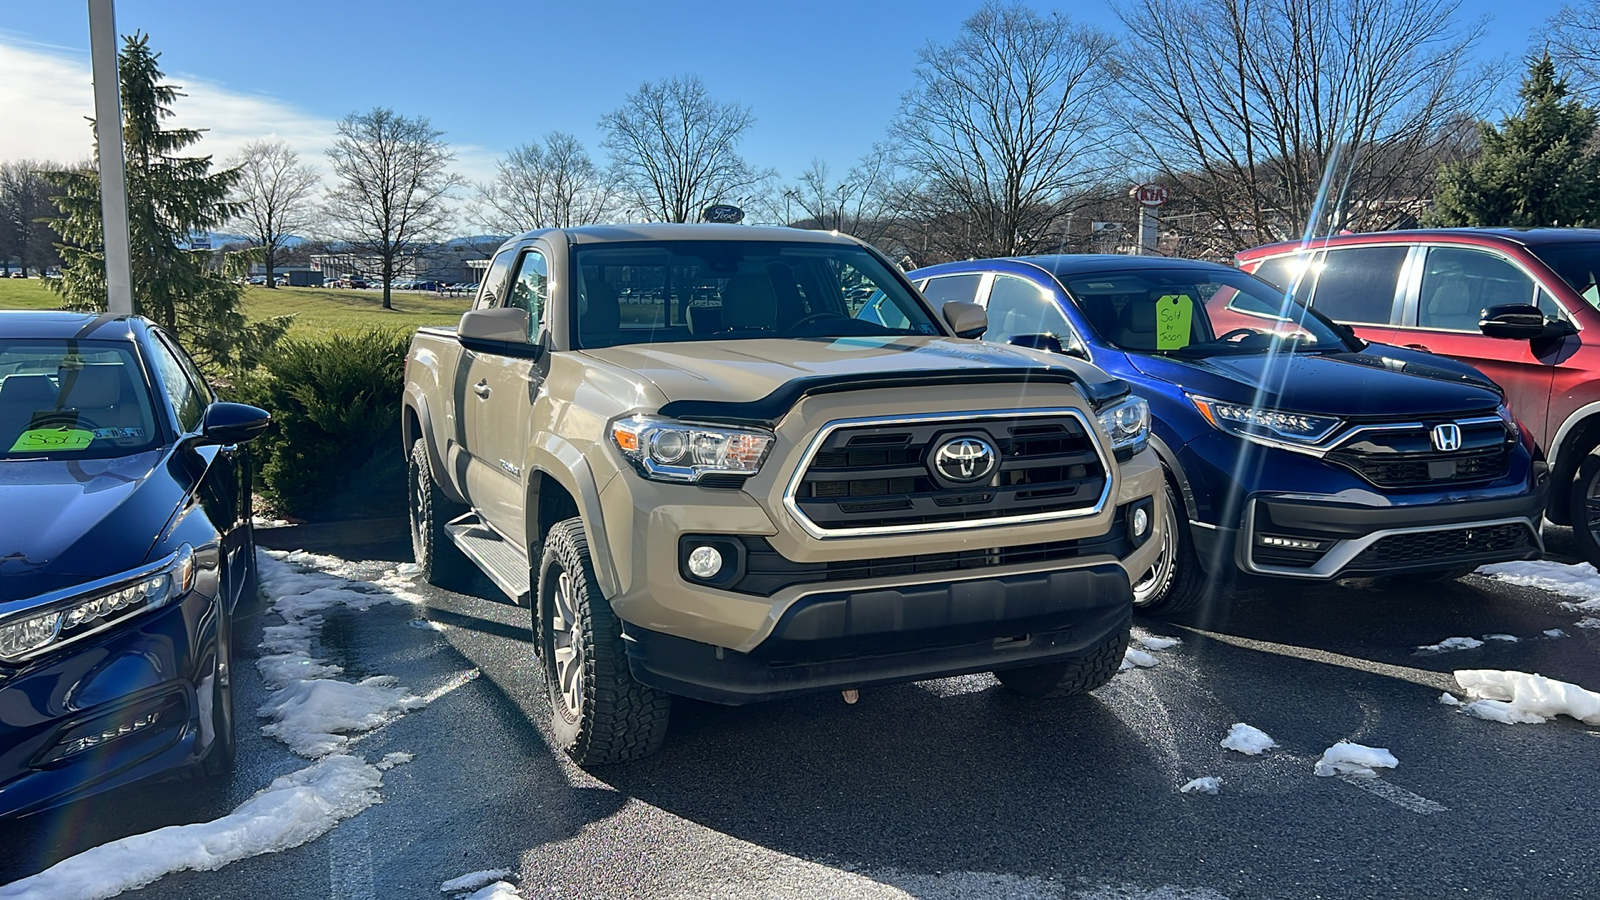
1423 347
481 389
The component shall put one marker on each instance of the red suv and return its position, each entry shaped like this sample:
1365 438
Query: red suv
1515 303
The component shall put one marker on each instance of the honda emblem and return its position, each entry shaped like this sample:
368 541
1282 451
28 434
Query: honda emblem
1447 437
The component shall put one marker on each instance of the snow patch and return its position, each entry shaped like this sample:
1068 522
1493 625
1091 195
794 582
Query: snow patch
294 809
1554 633
500 890
426 624
1509 638
1449 699
1580 582
1449 644
1345 758
1210 784
1589 622
1136 659
1151 642
474 880
1521 698
1248 740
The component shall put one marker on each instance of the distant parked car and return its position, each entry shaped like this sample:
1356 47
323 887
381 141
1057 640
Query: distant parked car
127 548
258 279
1523 305
19 274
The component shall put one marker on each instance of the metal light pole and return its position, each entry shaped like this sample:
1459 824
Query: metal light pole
108 132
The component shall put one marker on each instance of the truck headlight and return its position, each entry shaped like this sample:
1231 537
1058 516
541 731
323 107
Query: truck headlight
1128 426
668 450
1259 423
63 618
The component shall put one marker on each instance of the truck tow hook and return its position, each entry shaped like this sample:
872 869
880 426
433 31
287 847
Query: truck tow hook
851 695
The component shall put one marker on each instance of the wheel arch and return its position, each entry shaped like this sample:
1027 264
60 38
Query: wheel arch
416 423
1574 440
561 485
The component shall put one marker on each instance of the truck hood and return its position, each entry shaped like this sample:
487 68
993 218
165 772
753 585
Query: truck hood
1379 381
72 521
746 371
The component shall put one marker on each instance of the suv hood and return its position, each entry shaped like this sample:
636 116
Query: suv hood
1379 381
72 521
745 371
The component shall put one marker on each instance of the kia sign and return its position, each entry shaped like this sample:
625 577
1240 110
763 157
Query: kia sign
1151 195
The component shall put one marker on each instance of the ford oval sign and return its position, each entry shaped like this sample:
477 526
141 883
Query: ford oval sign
722 214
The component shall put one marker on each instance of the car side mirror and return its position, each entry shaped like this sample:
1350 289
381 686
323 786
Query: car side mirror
967 320
1047 342
232 423
1522 321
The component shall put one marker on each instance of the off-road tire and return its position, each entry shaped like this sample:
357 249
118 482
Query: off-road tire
1585 512
441 561
616 718
1070 677
1182 585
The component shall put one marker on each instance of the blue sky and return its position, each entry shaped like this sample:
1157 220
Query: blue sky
824 76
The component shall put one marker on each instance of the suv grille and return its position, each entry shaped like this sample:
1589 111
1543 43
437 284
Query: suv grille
1443 546
882 476
1405 457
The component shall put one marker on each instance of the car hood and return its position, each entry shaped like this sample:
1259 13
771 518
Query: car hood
744 371
1378 381
71 521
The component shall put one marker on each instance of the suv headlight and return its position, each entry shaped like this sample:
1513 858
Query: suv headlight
1128 426
1257 423
668 450
61 619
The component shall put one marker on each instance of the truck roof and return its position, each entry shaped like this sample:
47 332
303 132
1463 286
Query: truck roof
600 234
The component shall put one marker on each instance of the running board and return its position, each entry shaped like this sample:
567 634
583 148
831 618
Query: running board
503 563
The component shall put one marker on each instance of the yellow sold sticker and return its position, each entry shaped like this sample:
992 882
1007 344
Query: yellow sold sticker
1174 320
49 439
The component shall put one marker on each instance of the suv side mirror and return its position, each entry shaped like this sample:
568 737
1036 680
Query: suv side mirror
232 423
1048 342
967 320
1522 321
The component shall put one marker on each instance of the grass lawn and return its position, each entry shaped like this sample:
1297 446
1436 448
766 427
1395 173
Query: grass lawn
316 311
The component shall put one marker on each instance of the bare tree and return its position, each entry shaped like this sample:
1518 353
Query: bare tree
861 202
274 197
1572 37
550 185
393 186
675 150
1003 125
25 201
1275 117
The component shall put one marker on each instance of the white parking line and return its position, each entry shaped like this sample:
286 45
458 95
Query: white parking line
1399 796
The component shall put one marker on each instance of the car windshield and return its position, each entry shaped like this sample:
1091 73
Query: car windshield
71 399
650 291
1577 264
1198 312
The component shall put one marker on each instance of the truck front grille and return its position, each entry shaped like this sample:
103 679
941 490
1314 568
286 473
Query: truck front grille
881 477
1405 457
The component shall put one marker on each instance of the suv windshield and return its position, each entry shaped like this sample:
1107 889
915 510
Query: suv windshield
1577 264
69 399
648 291
1198 312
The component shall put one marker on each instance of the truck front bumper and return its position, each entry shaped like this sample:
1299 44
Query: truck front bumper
832 640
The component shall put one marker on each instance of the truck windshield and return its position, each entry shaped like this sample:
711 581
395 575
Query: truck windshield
1577 264
69 399
652 291
1198 312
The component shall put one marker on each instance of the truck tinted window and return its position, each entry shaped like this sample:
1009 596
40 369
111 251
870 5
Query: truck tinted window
529 288
494 282
1357 284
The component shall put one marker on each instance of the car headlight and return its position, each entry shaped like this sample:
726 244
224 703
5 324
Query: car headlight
1256 423
1128 426
61 619
668 450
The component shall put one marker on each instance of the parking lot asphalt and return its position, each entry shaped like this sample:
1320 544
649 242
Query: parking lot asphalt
949 788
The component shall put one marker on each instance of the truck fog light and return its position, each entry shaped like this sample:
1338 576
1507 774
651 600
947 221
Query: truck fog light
705 562
1141 522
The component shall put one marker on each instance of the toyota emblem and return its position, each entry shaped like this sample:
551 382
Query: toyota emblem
1447 437
966 459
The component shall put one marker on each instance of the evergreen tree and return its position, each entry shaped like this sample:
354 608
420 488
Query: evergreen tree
1538 168
170 198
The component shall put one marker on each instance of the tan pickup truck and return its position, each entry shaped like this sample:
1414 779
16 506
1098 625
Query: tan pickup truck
737 463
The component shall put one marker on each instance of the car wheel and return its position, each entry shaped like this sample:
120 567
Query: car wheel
1584 508
441 561
1175 583
1070 677
599 713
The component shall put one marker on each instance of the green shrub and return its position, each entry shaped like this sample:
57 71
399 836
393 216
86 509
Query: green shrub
333 450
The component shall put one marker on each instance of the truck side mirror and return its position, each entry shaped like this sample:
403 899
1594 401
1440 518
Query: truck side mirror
967 320
1522 321
507 325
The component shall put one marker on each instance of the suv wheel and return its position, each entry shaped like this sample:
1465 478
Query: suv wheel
1176 583
441 561
599 713
1584 508
1070 677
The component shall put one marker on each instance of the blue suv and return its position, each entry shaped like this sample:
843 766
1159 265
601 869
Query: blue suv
1292 448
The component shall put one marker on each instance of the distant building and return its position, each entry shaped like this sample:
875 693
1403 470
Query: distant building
450 262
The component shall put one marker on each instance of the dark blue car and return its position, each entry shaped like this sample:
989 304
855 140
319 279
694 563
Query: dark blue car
1292 448
125 547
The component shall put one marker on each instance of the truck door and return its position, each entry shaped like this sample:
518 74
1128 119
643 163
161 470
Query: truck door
497 409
